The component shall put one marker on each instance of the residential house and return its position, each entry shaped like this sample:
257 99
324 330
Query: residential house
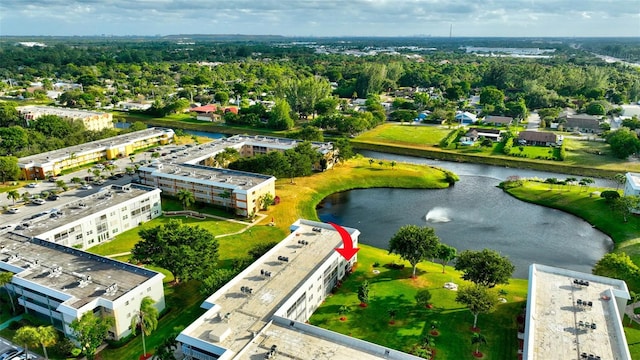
466 118
582 123
476 133
211 112
498 120
538 138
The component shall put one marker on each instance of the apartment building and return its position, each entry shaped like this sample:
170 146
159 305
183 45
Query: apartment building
96 218
237 190
50 163
92 120
59 284
262 311
574 315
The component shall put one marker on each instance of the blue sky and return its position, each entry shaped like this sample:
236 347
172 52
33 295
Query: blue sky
566 18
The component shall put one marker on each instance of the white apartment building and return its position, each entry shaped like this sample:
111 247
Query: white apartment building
574 315
96 218
39 166
59 284
92 120
262 311
237 190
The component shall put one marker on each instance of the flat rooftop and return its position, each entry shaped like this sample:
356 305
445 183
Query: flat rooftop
219 177
559 321
201 152
76 209
294 343
66 270
239 314
98 145
60 111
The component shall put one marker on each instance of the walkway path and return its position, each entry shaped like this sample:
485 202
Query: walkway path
629 312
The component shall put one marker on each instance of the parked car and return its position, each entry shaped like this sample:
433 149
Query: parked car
23 357
39 201
13 210
86 187
32 185
120 175
53 178
113 177
53 197
7 226
98 166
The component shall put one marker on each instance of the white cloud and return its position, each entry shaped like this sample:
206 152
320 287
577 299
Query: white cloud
321 17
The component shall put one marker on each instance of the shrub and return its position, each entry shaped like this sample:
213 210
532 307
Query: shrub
610 195
508 146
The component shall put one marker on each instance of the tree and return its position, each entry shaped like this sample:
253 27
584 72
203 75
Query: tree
363 293
423 297
9 115
623 142
478 299
61 184
13 195
228 155
47 336
27 336
414 244
585 182
189 252
266 200
393 164
487 267
445 253
280 116
186 198
625 205
166 350
595 108
9 169
618 266
222 97
342 310
145 319
620 179
5 278
345 151
90 331
137 126
492 96
478 339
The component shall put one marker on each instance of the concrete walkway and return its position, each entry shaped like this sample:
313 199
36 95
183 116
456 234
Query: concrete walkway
5 324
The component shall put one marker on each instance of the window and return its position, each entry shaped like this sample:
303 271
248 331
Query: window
125 217
149 289
89 232
126 303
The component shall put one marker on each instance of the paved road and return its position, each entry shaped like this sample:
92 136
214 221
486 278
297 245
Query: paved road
533 121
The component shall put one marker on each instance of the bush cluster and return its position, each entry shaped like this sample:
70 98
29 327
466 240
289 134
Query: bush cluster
450 138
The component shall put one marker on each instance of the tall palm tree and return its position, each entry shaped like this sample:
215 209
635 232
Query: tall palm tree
47 336
13 195
27 336
5 278
186 198
146 319
478 339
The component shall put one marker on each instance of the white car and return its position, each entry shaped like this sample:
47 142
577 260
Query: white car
86 187
98 166
32 185
13 210
39 201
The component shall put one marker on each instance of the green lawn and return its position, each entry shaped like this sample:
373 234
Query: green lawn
428 135
395 289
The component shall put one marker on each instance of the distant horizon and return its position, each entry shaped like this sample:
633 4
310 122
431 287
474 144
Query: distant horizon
319 36
323 18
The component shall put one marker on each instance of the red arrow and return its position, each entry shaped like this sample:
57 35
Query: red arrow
347 250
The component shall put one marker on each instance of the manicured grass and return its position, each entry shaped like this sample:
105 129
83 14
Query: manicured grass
632 333
125 241
428 135
395 289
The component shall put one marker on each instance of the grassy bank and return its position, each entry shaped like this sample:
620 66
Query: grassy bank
394 289
299 199
583 158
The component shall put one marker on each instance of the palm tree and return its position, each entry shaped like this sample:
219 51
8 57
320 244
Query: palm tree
478 339
146 319
5 278
343 310
186 198
47 336
13 195
27 336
